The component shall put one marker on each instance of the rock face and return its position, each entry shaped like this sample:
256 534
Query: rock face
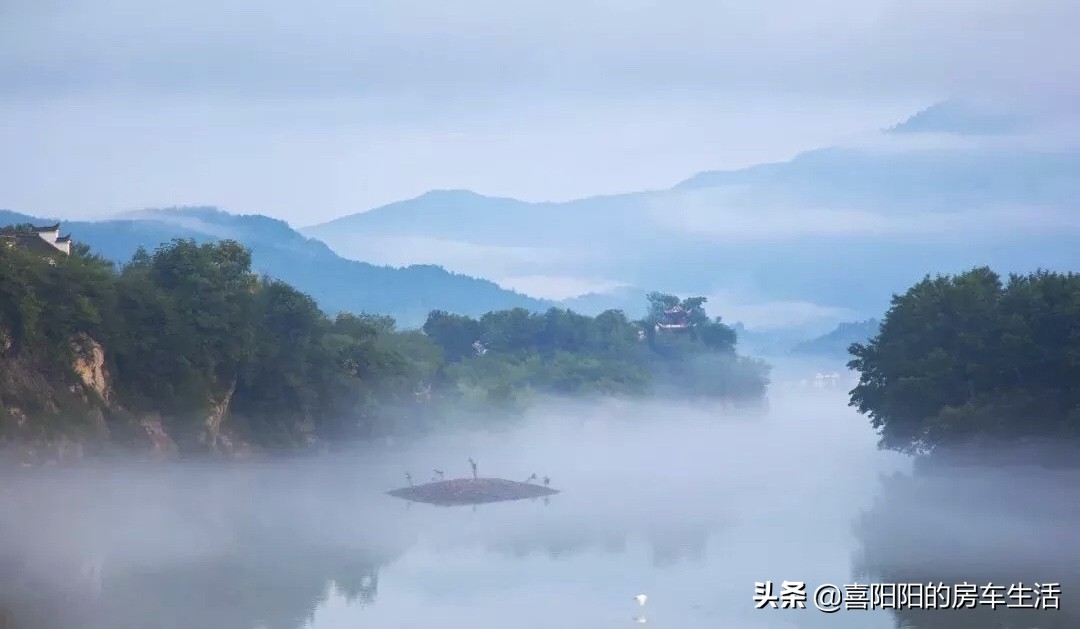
471 491
48 414
212 435
162 446
89 365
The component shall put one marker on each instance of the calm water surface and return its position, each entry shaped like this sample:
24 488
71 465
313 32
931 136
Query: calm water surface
689 504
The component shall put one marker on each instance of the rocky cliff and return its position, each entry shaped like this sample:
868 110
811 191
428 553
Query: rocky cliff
53 413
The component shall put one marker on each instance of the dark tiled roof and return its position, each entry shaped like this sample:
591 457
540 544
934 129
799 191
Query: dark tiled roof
30 242
27 238
27 231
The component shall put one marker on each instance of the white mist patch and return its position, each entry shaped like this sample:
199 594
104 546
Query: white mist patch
749 214
771 315
690 502
647 468
480 260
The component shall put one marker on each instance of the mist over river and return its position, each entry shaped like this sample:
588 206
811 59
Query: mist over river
690 504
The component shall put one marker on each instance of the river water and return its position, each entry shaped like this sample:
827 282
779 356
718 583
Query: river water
691 505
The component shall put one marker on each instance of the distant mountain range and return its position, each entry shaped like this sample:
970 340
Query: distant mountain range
337 284
842 228
836 231
964 118
789 249
630 300
835 344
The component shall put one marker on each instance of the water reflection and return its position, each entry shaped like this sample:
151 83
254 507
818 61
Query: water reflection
692 511
254 547
979 524
192 547
666 548
560 531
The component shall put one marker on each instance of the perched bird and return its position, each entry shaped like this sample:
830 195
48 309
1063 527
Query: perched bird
530 479
641 598
408 477
473 464
547 481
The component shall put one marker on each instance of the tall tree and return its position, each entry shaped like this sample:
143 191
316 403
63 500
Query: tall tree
969 357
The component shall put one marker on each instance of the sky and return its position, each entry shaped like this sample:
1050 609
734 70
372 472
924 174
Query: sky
306 112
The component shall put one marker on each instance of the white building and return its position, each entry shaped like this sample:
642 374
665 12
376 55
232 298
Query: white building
31 239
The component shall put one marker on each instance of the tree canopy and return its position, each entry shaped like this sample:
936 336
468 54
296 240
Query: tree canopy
514 351
970 357
189 328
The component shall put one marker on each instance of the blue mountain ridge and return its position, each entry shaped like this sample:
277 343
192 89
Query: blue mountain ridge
278 251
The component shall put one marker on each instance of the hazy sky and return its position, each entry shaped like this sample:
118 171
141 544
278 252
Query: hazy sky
307 111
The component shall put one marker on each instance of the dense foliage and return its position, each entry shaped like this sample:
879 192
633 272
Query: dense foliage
189 330
406 293
505 355
969 357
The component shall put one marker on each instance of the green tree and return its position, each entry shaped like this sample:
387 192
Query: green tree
455 334
968 357
190 333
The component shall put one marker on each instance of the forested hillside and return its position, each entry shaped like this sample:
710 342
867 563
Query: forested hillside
835 344
337 284
187 350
